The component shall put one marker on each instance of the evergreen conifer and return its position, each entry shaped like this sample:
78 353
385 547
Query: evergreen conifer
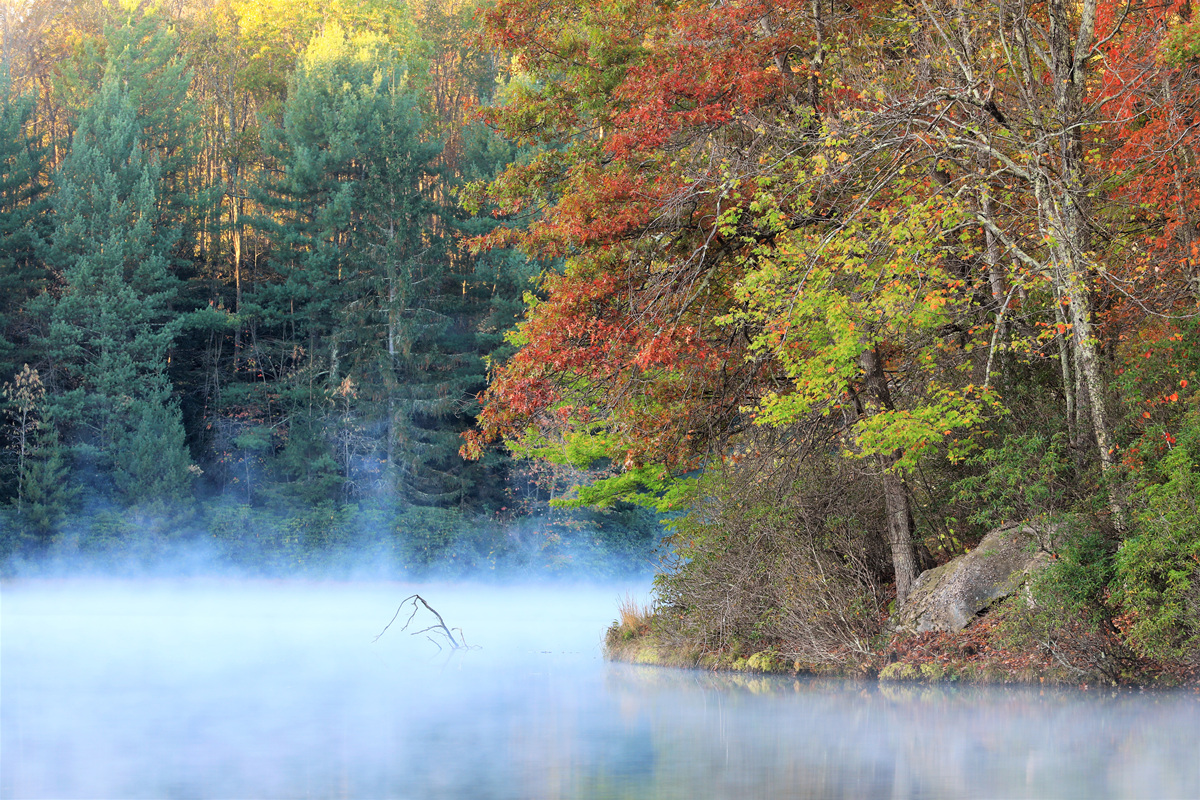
23 225
113 325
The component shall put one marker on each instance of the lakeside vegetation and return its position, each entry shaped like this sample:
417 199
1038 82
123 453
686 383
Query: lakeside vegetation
830 289
849 285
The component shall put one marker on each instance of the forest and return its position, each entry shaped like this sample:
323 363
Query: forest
238 303
831 287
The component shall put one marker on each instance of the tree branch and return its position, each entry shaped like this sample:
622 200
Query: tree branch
440 626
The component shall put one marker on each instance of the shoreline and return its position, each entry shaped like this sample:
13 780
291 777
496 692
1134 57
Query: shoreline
964 658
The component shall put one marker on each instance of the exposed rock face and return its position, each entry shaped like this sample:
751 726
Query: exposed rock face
949 597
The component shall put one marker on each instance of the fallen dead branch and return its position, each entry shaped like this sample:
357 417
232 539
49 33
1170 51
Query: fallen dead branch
455 644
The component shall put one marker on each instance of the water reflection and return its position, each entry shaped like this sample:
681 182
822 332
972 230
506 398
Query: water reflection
724 736
260 689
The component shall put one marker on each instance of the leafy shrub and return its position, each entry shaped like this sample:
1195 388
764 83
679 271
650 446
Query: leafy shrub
1064 610
1157 567
425 536
778 551
1025 477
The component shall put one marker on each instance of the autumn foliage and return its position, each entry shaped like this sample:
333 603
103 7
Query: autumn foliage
873 227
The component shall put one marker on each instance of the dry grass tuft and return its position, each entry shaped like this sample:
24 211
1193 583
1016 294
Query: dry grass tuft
630 637
633 617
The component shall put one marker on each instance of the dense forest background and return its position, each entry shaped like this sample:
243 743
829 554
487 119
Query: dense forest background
237 305
838 286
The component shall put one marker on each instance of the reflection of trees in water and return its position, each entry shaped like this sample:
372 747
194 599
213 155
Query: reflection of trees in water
729 735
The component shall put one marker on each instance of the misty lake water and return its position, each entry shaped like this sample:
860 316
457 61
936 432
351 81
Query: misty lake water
265 689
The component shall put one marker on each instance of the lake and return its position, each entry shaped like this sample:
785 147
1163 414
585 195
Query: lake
206 688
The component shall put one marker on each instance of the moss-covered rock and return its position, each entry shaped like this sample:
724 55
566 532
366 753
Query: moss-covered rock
949 597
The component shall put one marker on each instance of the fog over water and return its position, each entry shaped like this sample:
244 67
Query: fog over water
261 689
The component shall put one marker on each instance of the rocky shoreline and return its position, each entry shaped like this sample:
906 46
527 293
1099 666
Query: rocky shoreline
967 657
971 620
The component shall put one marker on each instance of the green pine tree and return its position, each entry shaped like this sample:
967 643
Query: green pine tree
142 46
23 224
413 368
359 258
112 326
48 490
491 301
23 217
380 321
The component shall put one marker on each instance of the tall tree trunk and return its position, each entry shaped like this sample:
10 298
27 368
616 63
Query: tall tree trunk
390 378
237 278
895 493
1065 354
1065 207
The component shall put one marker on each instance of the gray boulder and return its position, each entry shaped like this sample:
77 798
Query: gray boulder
949 597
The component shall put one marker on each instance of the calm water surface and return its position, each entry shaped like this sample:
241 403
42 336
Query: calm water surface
259 689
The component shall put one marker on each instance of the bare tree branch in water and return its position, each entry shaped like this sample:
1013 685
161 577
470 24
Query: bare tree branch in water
440 627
